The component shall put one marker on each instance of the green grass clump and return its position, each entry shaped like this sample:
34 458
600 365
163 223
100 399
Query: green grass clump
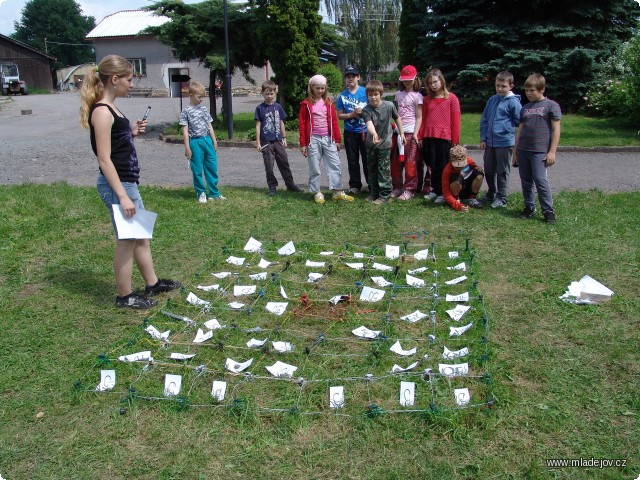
565 376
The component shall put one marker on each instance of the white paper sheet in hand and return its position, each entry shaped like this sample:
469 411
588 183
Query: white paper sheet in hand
413 281
172 385
457 313
239 290
277 308
235 260
369 294
218 389
252 245
137 227
280 369
397 348
414 317
193 299
364 332
392 251
457 280
237 367
288 249
336 397
407 393
107 380
462 396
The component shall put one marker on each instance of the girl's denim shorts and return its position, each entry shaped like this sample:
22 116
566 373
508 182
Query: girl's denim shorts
109 198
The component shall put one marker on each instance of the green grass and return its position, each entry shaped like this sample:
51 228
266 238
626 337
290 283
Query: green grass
565 376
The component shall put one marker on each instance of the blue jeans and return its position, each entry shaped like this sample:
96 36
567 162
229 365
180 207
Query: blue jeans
533 171
109 198
204 159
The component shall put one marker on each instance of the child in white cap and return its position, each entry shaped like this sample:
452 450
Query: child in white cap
320 139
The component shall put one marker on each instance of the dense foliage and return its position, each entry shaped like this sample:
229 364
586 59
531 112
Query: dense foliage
57 27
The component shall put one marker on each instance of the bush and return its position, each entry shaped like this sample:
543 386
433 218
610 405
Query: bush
335 83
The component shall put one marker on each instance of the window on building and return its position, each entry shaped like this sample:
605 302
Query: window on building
139 66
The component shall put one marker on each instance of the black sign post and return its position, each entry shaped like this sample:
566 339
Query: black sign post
180 79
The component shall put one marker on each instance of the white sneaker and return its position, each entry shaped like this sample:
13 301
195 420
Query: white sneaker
430 196
202 198
439 200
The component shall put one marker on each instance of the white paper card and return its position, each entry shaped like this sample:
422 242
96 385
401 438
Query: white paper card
364 332
282 347
221 274
136 357
454 370
417 270
357 266
309 263
193 299
213 324
153 331
457 331
338 298
277 308
240 290
235 260
314 277
253 343
460 266
414 317
237 367
288 249
399 369
453 255
358 255
336 397
421 254
107 380
407 394
209 288
202 337
381 282
369 294
382 267
462 396
252 245
457 313
397 348
218 389
414 282
282 292
236 305
138 226
463 297
263 263
181 356
172 385
457 280
452 355
281 369
258 276
392 251
326 254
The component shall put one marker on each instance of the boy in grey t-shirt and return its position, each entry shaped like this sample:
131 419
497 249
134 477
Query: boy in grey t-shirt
377 116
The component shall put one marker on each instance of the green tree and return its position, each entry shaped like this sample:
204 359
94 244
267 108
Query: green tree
371 30
196 31
291 33
64 27
567 41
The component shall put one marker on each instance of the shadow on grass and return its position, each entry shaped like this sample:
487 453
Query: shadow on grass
83 282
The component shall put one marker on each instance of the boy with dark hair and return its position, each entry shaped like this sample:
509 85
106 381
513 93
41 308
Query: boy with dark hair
536 145
497 138
271 139
377 116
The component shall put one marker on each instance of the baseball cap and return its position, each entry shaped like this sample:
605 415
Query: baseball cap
351 71
458 156
408 73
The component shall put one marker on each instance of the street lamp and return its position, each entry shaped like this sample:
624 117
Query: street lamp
228 76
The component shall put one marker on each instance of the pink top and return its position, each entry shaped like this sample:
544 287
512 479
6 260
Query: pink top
441 119
408 103
320 124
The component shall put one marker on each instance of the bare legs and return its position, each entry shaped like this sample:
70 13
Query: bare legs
128 251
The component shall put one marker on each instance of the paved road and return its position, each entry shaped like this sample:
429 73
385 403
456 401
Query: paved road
49 145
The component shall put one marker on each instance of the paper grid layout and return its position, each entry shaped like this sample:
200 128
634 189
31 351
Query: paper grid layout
318 327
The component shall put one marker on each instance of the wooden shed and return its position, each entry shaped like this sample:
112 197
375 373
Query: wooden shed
36 67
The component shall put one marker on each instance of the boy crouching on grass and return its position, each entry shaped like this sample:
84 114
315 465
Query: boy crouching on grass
271 139
461 180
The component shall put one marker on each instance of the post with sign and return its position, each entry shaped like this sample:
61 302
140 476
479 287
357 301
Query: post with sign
180 79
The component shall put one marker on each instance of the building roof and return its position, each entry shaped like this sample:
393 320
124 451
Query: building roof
28 47
126 23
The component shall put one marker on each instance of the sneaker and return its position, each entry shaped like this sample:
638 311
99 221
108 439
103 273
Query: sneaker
135 301
430 196
382 201
318 198
215 199
353 191
498 203
202 198
295 189
527 213
474 203
489 197
550 217
272 192
370 198
341 196
396 192
439 200
406 195
163 285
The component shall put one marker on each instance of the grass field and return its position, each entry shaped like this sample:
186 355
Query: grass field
566 377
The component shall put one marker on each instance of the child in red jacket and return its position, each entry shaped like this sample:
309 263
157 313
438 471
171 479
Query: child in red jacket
461 179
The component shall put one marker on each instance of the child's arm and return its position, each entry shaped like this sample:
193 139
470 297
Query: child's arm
185 139
416 129
455 120
514 157
401 138
258 128
372 130
555 140
213 137
283 133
